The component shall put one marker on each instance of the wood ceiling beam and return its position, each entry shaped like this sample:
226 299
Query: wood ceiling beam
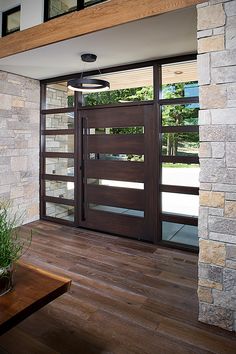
105 15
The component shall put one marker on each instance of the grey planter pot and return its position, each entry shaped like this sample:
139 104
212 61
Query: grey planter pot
6 279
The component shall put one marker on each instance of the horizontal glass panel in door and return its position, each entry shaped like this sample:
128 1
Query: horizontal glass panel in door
125 86
59 96
59 143
13 22
113 183
116 157
180 233
180 115
59 166
60 121
121 131
180 144
60 211
180 204
180 174
59 189
59 7
116 210
180 80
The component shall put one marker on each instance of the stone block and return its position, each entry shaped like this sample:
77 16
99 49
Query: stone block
224 299
212 273
216 211
210 284
231 133
203 222
211 44
230 33
206 33
230 196
213 133
218 30
5 101
223 58
231 252
231 264
229 280
212 199
221 187
226 238
223 116
216 315
223 75
213 96
205 186
205 294
213 171
203 67
205 150
212 252
230 8
19 163
222 225
231 153
230 209
218 150
211 17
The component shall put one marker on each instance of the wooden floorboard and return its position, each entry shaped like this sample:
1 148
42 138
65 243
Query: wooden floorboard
127 297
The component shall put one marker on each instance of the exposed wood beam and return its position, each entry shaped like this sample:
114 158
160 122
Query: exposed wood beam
91 19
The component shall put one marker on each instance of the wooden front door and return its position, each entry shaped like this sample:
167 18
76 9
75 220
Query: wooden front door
118 168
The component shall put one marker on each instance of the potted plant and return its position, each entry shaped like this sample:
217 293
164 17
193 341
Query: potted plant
12 244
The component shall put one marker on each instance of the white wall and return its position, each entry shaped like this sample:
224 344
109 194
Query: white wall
31 11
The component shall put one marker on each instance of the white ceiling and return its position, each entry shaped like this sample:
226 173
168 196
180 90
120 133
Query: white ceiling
161 36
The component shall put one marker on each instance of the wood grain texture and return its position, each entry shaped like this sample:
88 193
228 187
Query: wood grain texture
33 289
91 19
127 297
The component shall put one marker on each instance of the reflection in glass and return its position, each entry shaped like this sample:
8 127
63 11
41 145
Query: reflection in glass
13 22
59 7
180 204
59 96
180 80
180 144
110 131
60 121
113 183
179 233
116 210
92 2
59 189
179 115
116 157
178 174
59 143
59 166
126 86
60 211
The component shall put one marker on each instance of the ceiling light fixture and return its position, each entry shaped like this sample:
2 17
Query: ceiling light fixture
88 85
178 72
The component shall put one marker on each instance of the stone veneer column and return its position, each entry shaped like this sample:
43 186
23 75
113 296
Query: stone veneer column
217 218
19 143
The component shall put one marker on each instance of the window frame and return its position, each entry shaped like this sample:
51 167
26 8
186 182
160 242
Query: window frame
5 15
80 6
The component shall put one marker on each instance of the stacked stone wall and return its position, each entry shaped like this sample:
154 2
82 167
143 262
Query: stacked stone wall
19 143
217 217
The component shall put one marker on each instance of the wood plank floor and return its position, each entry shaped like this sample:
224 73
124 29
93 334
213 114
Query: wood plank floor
127 297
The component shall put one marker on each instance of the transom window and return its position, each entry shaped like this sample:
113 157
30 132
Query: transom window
55 8
11 21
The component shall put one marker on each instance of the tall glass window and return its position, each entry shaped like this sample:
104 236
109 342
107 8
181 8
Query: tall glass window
179 155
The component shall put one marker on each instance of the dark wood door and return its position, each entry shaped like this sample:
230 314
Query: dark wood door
118 170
